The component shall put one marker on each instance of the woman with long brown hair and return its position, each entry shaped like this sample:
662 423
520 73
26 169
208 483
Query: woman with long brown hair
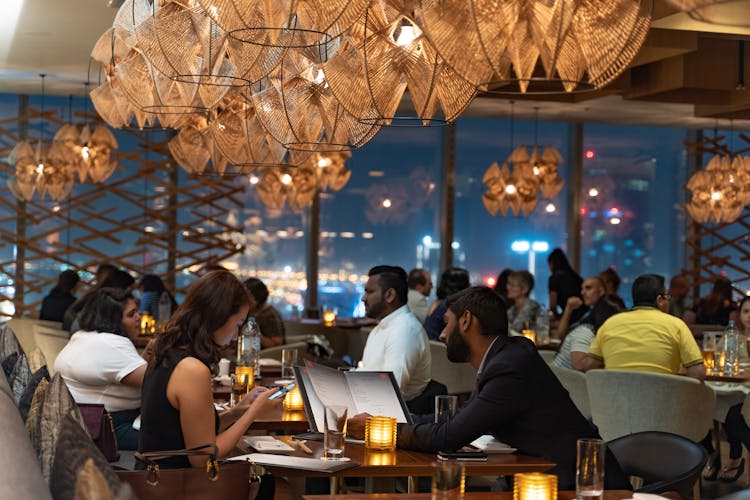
177 400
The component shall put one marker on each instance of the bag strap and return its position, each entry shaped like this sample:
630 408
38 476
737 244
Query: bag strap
150 458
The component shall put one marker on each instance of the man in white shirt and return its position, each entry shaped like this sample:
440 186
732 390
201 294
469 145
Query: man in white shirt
398 343
420 286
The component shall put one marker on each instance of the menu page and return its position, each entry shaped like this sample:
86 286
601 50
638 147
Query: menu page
374 393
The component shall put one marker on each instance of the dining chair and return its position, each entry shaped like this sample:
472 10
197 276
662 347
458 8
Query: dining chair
661 461
24 330
458 378
575 383
626 401
547 356
50 341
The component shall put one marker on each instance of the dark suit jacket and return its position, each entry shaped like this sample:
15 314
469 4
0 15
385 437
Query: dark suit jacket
520 402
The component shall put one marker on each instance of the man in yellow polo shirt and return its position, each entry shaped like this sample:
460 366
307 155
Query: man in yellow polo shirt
646 338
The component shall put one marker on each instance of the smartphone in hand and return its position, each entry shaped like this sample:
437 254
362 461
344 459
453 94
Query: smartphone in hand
283 391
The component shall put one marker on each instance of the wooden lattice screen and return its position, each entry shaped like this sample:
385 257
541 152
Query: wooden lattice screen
721 249
149 217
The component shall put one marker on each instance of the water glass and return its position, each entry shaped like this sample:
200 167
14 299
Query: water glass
445 408
447 480
334 432
288 362
590 468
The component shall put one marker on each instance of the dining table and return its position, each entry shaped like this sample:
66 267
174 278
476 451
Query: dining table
401 463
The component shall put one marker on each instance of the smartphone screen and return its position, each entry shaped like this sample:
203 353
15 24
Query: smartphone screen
283 391
474 456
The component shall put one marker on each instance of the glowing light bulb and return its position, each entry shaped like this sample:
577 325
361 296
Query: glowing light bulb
254 180
40 168
550 208
286 179
510 189
536 170
593 192
387 203
85 152
407 34
716 195
324 162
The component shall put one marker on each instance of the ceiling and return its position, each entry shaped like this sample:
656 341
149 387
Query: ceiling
686 74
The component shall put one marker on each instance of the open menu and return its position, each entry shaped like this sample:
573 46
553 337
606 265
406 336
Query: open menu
376 393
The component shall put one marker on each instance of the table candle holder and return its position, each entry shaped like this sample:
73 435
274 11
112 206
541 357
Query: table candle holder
529 334
329 318
380 433
534 486
293 400
245 376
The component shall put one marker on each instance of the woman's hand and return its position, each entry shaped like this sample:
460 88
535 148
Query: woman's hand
261 403
252 395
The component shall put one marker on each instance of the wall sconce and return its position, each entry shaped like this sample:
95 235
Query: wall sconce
380 433
534 486
293 401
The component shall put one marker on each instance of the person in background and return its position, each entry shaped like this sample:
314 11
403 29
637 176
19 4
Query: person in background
646 338
60 297
102 271
451 281
735 426
717 307
575 346
269 320
518 400
612 281
151 287
115 279
420 286
101 365
522 310
177 404
679 289
592 291
398 343
501 285
563 283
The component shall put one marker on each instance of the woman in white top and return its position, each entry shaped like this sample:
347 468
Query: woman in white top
101 365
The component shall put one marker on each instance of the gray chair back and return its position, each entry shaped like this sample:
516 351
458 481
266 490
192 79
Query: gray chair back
575 383
625 402
458 378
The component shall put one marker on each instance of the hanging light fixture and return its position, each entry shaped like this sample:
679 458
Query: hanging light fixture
385 55
43 169
721 191
516 189
724 12
541 163
538 45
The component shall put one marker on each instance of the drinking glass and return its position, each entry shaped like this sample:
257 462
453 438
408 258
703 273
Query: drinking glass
590 468
447 479
445 408
709 350
288 362
334 432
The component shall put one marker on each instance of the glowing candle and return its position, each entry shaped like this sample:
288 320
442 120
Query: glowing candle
293 400
534 486
380 433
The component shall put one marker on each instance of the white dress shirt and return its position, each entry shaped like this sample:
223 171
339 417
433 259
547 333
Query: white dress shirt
399 344
417 303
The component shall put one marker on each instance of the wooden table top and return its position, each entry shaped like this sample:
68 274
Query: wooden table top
412 463
479 495
742 376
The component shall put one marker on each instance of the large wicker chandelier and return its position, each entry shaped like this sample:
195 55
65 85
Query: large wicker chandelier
726 12
544 46
721 191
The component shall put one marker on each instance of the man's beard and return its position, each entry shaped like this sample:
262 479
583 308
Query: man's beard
457 348
376 310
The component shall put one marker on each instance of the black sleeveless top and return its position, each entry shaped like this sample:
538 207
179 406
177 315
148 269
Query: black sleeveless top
160 421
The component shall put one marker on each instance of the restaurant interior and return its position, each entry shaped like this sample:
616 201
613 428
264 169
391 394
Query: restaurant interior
304 142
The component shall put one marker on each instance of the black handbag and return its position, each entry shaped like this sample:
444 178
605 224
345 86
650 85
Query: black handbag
101 429
229 480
